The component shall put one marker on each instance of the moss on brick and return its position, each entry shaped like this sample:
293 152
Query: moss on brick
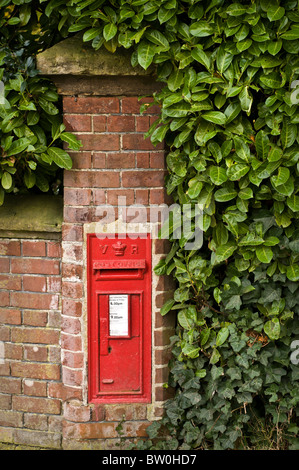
74 57
31 216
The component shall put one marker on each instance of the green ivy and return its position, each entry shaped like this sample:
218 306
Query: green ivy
229 115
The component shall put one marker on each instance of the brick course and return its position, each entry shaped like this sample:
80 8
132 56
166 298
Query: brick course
28 300
43 384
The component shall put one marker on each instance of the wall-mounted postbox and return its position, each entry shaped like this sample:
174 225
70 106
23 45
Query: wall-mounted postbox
119 317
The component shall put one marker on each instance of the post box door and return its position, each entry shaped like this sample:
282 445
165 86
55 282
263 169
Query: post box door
119 288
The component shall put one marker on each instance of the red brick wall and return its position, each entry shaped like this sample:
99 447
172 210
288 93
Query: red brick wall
43 389
30 284
115 160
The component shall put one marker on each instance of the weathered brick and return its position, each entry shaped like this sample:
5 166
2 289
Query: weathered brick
34 318
71 342
99 196
76 412
11 418
34 301
4 265
142 123
54 284
141 196
36 353
99 141
35 421
54 249
71 232
90 430
114 194
73 377
13 351
34 335
138 142
10 385
72 307
157 160
135 179
77 197
120 123
9 282
90 105
34 248
10 315
142 159
132 104
99 160
77 123
73 360
37 405
99 123
10 248
120 160
72 272
63 392
4 299
4 333
5 404
71 325
35 388
81 160
35 371
91 179
35 283
51 440
160 196
34 266
162 337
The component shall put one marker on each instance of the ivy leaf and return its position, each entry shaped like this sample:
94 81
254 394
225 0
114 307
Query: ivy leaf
275 13
236 9
215 116
293 203
224 252
225 194
272 329
288 133
18 146
167 307
109 31
6 180
218 175
215 357
223 59
281 177
200 56
264 254
293 272
157 38
145 54
72 140
262 144
60 157
222 336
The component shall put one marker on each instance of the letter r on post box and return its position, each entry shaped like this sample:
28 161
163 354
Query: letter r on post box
119 319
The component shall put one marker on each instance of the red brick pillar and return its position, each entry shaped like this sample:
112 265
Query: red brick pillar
115 160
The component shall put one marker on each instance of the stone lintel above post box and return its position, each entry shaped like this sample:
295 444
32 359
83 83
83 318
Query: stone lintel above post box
77 68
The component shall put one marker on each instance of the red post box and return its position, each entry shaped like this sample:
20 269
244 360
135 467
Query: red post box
119 319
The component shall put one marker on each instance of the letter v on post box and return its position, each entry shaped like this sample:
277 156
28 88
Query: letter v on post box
119 319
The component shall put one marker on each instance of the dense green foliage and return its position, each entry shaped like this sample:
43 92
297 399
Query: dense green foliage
31 129
229 114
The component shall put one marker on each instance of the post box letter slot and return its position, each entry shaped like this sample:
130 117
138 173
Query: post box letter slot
118 269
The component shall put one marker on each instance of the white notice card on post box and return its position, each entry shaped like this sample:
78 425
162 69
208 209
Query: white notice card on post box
118 315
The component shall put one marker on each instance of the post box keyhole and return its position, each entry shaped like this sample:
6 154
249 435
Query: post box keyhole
109 349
